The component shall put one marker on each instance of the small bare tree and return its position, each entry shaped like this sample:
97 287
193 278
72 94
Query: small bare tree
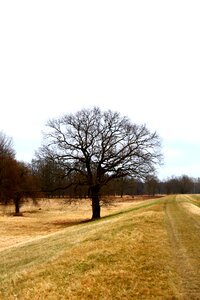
16 181
95 147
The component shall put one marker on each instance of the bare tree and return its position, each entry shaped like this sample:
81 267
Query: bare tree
6 146
95 147
151 185
16 181
7 163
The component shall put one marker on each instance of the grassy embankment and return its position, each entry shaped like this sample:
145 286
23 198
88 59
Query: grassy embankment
126 255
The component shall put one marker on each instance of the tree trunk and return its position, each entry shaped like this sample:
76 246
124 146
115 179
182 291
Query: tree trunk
96 208
17 205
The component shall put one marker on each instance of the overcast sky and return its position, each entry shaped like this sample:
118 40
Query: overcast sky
140 58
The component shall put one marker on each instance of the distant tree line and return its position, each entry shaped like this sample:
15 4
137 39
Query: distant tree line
53 183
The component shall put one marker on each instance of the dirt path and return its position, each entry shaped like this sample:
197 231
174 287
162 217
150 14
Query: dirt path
184 233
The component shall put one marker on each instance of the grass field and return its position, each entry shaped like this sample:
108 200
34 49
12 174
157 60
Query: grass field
138 250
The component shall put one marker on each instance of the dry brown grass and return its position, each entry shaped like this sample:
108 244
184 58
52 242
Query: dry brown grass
192 208
50 215
183 224
126 256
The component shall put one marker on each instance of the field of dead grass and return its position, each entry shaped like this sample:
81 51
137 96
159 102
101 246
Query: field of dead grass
114 258
128 254
51 215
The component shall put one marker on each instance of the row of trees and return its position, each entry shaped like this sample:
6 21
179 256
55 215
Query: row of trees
89 153
51 178
43 178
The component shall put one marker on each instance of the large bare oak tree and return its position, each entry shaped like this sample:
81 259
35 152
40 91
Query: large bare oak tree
95 147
